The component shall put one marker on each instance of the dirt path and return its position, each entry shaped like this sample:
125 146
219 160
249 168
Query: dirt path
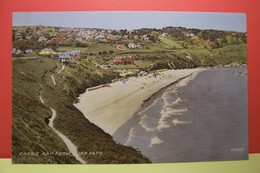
71 147
52 76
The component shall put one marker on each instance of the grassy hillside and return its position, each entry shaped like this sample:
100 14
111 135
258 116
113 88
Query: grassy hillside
31 132
169 43
169 47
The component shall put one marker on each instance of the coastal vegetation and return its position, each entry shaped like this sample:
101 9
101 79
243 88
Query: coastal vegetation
152 49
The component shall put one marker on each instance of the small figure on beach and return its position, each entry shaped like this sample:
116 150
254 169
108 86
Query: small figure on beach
124 81
155 74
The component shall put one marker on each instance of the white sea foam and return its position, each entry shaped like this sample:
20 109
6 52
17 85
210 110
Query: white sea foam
143 123
130 136
172 111
144 117
167 102
177 122
155 140
167 112
168 109
162 124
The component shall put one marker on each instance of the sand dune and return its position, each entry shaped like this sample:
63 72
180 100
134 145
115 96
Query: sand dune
110 107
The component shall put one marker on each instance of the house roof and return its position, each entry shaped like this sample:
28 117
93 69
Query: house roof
47 49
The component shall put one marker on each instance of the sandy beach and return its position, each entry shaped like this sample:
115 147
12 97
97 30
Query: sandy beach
110 107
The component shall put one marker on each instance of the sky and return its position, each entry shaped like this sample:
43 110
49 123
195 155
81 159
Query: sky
134 20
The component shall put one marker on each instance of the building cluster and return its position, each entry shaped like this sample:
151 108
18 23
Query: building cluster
65 57
57 34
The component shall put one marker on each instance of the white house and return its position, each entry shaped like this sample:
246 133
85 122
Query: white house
28 51
132 45
145 37
42 38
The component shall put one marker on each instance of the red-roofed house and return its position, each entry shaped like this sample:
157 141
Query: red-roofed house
123 60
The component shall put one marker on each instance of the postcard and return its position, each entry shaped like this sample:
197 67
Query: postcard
129 87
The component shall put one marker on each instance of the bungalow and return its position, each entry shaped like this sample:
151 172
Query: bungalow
136 37
189 35
123 60
16 51
42 38
145 37
28 51
47 51
131 46
134 46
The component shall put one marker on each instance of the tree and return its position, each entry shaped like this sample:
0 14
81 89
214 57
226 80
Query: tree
28 31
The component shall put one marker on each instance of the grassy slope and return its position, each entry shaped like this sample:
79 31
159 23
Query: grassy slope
31 132
167 50
169 42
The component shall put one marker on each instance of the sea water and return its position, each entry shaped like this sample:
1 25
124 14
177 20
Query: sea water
201 118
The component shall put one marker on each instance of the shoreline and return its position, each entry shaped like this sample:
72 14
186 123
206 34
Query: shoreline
111 107
174 122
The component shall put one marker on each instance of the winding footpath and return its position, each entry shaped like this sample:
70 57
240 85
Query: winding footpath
71 147
52 76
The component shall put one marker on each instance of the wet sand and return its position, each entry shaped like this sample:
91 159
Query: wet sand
111 107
